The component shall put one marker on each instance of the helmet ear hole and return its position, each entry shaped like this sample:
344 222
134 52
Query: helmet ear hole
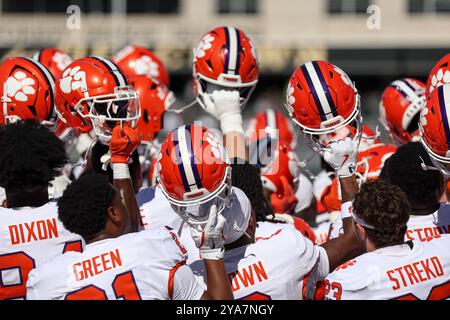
146 117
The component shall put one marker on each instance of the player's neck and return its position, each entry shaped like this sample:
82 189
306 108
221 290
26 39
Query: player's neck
425 210
100 237
33 199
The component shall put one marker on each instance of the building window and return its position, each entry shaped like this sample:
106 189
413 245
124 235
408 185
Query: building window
429 6
51 6
153 6
348 6
237 6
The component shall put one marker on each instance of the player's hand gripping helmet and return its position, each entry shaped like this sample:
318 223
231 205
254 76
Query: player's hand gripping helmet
193 172
400 109
225 57
368 136
439 75
434 128
27 89
135 61
93 93
321 99
54 59
272 124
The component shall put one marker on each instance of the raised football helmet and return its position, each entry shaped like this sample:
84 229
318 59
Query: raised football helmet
434 128
93 93
193 172
321 99
274 125
400 107
54 59
285 163
439 75
27 89
225 57
135 61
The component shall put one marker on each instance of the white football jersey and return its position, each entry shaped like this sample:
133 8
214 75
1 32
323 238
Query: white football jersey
397 272
156 210
426 228
273 268
150 264
30 237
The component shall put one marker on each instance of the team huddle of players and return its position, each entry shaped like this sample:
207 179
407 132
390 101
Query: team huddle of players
96 205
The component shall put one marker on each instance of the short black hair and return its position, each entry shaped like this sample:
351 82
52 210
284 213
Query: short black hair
99 150
83 207
30 156
248 178
385 207
404 170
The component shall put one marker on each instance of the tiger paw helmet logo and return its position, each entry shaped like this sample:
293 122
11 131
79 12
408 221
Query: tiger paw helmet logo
204 45
62 60
72 79
145 65
20 87
439 79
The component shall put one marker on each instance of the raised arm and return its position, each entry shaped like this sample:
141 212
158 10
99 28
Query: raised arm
342 157
123 142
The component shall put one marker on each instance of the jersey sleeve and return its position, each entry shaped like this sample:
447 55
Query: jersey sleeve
318 273
185 285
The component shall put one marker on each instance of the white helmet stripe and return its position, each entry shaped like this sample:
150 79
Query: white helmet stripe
411 95
114 69
319 90
271 119
185 158
233 52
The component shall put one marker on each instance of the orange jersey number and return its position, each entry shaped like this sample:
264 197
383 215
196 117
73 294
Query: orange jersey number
124 286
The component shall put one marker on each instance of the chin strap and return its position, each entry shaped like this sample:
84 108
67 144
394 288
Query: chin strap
184 108
425 167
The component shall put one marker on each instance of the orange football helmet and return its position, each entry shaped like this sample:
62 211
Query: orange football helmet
27 92
93 93
225 57
439 75
434 128
193 172
272 124
54 59
136 61
400 107
321 99
155 98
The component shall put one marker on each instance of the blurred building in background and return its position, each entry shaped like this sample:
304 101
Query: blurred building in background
375 41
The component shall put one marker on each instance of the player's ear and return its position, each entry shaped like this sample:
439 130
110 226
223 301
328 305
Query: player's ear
114 214
361 232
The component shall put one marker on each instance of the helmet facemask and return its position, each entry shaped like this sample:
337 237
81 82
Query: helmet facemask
206 86
196 211
106 111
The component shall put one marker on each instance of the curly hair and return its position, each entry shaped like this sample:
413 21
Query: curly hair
404 170
31 156
247 178
385 207
83 207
